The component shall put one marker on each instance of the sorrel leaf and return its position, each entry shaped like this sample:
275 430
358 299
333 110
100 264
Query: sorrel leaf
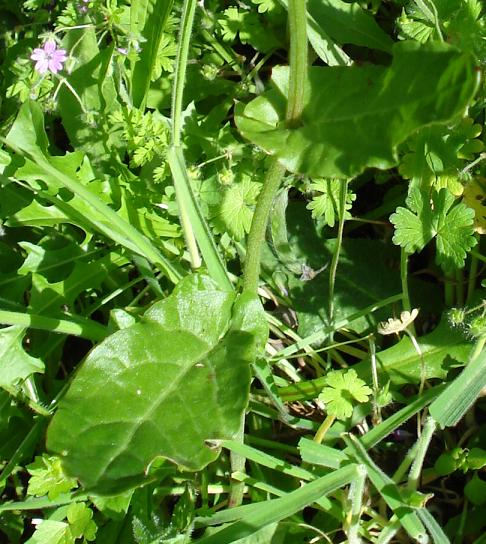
355 117
160 387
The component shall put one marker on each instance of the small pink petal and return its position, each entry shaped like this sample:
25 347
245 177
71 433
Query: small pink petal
42 66
55 66
38 54
50 46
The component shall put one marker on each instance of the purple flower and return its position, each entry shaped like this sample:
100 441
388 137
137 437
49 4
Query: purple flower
49 58
83 6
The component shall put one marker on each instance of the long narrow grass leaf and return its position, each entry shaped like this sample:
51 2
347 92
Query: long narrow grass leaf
461 393
388 490
203 235
253 517
77 326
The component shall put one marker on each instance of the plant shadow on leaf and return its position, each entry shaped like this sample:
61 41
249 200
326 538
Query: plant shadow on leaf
368 271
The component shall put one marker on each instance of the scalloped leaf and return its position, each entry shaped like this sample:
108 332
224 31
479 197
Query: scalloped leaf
161 387
355 117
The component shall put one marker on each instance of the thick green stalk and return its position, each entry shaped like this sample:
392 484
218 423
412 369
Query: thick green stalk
258 227
298 64
295 104
297 61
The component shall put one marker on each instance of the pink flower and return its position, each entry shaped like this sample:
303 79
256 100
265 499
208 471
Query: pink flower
49 58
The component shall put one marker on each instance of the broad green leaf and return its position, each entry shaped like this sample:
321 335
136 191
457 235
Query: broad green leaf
15 363
451 225
355 117
161 387
349 23
443 348
360 263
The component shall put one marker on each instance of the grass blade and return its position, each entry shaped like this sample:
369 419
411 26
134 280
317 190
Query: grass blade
253 517
461 393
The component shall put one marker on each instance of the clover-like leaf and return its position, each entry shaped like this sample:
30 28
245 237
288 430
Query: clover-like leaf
355 117
451 224
162 387
48 478
344 389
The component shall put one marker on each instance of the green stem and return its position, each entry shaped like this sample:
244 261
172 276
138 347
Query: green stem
324 427
356 492
471 281
258 227
335 258
187 21
449 292
404 279
298 61
423 446
256 236
176 117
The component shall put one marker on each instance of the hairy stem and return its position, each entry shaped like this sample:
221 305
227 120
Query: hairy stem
298 61
298 64
258 227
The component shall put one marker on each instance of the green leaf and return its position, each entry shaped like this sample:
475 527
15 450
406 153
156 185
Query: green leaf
452 226
349 23
80 520
52 532
92 79
343 390
326 202
475 490
162 387
48 478
361 261
98 213
461 393
16 365
235 211
148 17
355 117
401 363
